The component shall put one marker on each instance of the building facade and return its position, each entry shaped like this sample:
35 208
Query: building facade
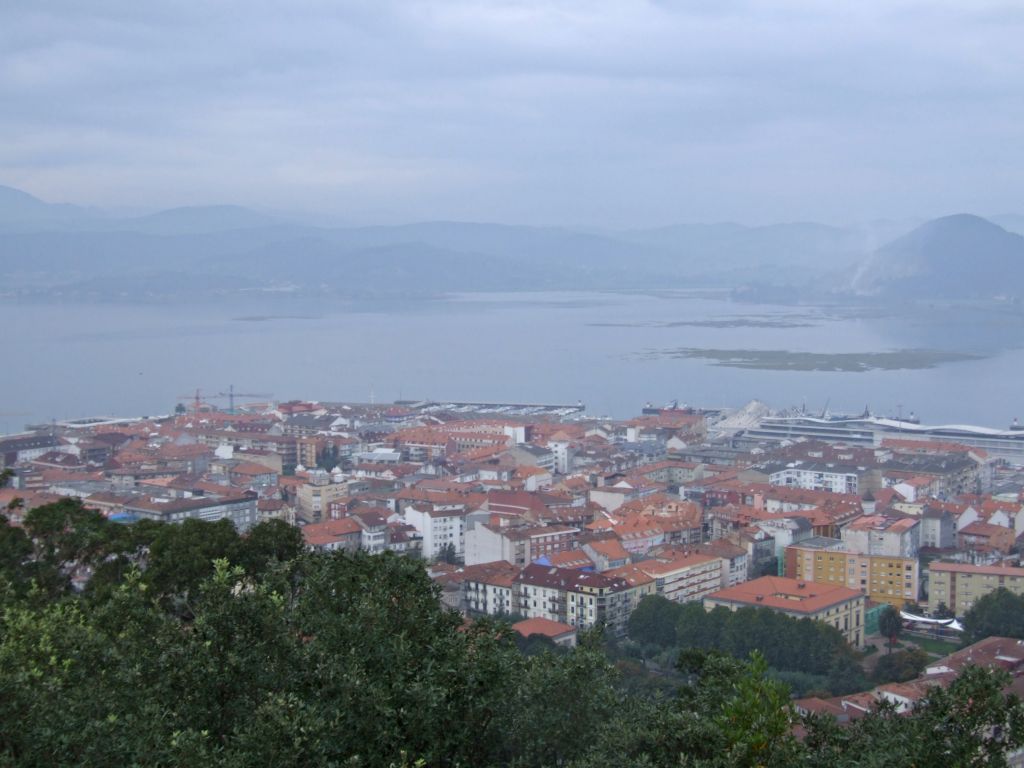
839 607
959 586
883 579
580 599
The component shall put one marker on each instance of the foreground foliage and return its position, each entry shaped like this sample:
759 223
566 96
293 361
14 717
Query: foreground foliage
1000 612
250 652
807 655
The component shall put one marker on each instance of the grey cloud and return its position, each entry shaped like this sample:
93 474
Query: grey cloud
560 111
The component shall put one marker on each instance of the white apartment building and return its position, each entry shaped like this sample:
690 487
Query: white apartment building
439 528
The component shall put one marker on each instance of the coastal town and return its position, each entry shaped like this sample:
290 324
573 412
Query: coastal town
566 523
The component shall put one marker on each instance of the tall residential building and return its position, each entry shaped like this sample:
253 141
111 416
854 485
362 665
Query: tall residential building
816 476
882 578
881 535
958 586
519 545
686 577
489 588
581 599
440 527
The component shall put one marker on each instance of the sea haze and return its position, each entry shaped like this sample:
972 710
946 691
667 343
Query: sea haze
125 315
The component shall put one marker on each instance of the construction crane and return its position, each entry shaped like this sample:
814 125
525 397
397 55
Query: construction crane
231 395
198 397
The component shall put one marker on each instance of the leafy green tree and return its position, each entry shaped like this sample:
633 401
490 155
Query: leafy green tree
730 714
351 661
787 643
999 613
66 533
181 557
654 621
890 625
845 676
65 536
973 722
697 628
942 612
15 549
447 554
267 543
756 719
900 666
536 644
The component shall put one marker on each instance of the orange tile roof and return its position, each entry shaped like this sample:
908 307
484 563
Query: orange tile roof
609 548
540 626
681 563
571 558
329 531
785 594
500 573
633 574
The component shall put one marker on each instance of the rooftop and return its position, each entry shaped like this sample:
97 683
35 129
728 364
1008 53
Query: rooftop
540 626
791 595
984 570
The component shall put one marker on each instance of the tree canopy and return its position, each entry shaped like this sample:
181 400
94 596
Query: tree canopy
999 613
806 654
202 647
890 625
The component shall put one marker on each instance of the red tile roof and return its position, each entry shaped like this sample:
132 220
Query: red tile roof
791 595
546 627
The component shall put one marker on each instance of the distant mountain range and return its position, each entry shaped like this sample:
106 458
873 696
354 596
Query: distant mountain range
959 256
49 250
21 211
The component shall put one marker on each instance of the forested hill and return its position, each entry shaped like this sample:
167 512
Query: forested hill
192 646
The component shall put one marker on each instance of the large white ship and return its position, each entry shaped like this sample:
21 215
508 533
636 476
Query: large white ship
1005 444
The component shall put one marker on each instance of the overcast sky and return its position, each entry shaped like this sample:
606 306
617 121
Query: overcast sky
581 112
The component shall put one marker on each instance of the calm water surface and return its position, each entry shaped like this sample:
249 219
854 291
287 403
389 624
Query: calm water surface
608 350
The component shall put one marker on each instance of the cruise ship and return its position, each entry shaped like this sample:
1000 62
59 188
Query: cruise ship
1007 444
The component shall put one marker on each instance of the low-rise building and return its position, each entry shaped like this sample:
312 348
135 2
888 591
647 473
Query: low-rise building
375 536
313 498
839 607
938 527
556 631
817 476
785 531
344 533
737 559
533 456
606 553
239 509
986 537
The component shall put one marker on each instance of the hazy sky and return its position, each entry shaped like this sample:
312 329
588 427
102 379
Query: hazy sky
596 112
